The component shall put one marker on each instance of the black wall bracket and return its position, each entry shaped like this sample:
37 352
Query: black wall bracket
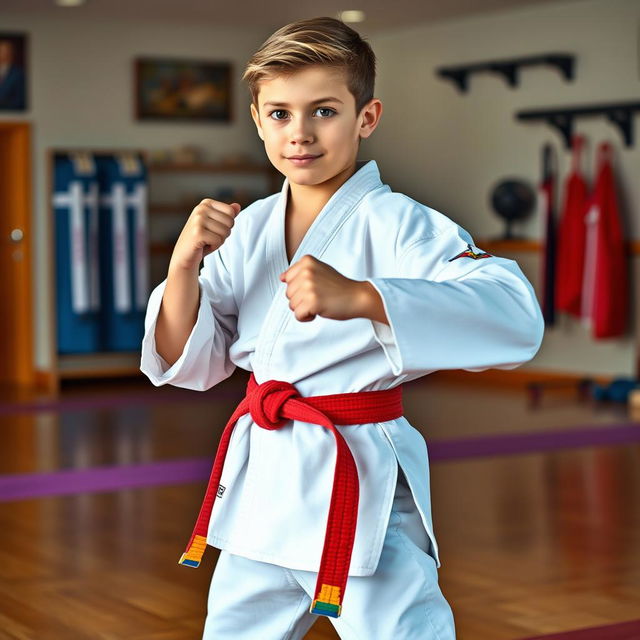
459 74
563 118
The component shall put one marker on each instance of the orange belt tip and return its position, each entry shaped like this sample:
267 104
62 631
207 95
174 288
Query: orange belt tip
193 556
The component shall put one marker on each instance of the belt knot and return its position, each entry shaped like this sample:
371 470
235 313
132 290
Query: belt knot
266 402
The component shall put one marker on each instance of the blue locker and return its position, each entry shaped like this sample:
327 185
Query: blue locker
75 202
124 250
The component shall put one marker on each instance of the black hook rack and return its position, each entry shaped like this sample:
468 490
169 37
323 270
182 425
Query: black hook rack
562 118
509 67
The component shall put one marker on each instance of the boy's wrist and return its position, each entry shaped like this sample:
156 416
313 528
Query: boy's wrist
368 302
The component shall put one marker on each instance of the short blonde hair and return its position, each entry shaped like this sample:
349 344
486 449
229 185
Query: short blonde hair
325 41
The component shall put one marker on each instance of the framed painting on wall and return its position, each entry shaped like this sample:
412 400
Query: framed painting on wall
192 90
13 71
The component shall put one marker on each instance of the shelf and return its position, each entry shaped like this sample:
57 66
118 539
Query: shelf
496 245
562 118
532 246
459 74
273 176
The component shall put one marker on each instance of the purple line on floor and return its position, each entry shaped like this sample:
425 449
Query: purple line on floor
618 631
20 486
534 441
175 472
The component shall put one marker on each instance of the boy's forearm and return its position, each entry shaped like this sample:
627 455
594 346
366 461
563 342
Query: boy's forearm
178 313
369 303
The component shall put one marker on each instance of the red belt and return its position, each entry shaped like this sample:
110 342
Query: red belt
272 404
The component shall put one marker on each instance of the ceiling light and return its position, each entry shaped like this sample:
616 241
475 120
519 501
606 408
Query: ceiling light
69 3
352 16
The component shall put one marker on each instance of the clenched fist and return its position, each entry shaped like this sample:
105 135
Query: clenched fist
206 229
315 288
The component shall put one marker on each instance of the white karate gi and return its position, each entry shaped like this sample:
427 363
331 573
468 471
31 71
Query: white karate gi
463 313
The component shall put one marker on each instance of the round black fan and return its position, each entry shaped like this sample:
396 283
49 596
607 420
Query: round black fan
512 199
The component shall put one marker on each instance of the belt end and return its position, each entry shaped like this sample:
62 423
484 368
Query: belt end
325 609
193 555
187 562
328 601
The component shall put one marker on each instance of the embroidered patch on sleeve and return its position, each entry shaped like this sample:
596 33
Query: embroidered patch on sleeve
470 253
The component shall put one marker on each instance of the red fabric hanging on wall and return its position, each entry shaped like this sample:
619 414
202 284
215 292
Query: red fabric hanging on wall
572 238
605 292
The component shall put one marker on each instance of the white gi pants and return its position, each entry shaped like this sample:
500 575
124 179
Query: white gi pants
252 600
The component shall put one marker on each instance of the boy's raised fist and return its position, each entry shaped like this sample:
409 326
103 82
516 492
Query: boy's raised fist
206 229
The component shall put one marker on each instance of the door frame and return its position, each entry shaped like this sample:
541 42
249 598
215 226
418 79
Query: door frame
17 353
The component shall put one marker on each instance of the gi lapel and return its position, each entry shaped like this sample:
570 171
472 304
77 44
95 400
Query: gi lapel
327 223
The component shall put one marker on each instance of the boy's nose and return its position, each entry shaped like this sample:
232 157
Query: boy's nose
302 133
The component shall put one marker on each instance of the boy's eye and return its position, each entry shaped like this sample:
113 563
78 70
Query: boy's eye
318 109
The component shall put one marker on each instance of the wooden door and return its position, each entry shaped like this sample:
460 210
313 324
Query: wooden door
16 300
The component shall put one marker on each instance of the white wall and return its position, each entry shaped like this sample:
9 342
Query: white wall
438 146
447 149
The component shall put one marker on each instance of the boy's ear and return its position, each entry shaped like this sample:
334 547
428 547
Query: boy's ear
256 118
371 114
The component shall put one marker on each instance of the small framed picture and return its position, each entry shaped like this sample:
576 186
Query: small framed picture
182 90
13 71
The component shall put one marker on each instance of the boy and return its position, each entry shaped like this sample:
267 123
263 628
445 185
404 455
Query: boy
336 286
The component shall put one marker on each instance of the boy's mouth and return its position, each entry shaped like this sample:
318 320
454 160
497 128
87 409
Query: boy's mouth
303 160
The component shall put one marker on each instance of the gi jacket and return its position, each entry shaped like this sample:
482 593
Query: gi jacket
450 306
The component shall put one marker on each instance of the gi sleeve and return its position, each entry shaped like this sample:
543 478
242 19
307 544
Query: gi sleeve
451 311
205 358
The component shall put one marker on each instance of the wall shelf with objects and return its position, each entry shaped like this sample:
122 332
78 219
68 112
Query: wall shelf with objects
175 188
105 205
97 205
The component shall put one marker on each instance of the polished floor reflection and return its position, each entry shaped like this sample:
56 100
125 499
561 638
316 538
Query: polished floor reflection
99 489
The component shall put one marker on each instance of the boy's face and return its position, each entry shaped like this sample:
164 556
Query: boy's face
329 128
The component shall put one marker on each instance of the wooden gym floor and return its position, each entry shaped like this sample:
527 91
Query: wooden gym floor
536 510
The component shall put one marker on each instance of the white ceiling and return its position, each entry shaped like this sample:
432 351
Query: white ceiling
270 15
